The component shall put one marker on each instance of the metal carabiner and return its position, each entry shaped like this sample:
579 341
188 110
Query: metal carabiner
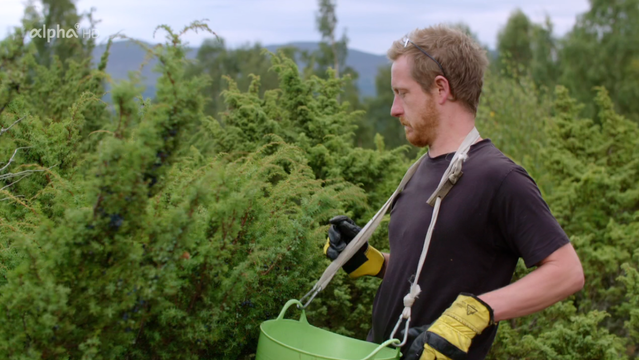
399 322
314 291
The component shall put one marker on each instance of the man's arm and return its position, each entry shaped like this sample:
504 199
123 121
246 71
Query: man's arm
558 276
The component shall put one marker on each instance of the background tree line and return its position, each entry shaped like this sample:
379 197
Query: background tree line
172 227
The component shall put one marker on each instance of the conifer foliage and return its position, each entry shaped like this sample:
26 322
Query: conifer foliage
145 229
164 233
590 171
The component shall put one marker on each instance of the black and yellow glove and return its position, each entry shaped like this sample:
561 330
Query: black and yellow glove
366 261
450 336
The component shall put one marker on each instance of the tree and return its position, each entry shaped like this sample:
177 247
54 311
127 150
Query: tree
514 40
603 50
154 246
544 65
217 61
511 113
589 171
525 47
331 51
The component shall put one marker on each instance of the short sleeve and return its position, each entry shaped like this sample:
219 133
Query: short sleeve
527 226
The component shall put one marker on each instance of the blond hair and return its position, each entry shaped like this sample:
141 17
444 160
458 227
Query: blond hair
461 58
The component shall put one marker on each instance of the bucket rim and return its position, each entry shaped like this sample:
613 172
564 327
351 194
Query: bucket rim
262 331
305 322
289 346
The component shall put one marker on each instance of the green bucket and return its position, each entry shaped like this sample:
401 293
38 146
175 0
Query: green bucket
285 339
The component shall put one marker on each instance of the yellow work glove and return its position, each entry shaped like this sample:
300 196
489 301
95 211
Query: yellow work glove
366 261
450 336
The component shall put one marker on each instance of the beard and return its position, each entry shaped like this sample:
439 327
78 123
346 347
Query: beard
423 132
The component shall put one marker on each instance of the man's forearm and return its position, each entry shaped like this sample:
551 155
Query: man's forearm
558 276
382 272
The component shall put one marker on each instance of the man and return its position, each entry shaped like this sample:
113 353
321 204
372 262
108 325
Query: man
491 217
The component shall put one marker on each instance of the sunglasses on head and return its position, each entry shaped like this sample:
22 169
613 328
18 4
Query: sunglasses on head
407 40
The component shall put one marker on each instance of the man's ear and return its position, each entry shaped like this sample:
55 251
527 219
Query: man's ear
443 91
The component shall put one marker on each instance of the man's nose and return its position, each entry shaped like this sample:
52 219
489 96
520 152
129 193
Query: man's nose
397 109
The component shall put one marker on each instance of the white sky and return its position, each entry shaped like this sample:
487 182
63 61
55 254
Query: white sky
371 25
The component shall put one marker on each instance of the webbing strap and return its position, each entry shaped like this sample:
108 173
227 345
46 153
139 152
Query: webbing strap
441 193
448 180
362 237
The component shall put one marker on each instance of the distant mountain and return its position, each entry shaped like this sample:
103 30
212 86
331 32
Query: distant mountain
128 56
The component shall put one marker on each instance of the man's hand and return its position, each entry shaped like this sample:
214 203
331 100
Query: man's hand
366 261
450 336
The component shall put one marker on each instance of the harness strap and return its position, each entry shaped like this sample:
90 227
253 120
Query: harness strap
445 189
448 180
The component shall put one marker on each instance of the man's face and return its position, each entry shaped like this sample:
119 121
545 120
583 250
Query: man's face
416 110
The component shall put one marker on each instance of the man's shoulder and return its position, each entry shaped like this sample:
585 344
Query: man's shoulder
490 163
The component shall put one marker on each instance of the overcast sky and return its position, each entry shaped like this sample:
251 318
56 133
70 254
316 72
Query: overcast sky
371 25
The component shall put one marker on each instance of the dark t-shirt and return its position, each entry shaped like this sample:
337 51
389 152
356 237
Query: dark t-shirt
493 216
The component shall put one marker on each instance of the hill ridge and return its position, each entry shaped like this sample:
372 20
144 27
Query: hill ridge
127 56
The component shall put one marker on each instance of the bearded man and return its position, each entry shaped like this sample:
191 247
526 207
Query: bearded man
492 216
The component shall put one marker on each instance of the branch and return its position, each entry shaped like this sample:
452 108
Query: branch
14 182
8 198
3 130
25 173
101 131
12 175
14 154
15 198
